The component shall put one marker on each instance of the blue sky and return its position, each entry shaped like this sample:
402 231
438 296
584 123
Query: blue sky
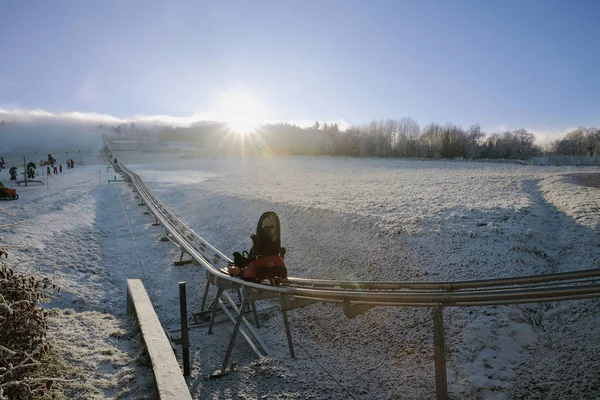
499 63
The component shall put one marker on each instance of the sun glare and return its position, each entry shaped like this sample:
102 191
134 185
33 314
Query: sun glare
242 111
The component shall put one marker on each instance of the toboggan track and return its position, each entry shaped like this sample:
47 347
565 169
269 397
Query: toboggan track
358 297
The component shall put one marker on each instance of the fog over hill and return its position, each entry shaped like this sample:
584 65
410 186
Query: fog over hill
27 131
48 137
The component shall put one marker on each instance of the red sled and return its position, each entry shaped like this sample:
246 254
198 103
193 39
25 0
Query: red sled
264 263
8 194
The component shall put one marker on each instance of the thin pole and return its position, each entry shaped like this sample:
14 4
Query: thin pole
185 340
25 169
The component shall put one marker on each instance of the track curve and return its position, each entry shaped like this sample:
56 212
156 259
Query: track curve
525 289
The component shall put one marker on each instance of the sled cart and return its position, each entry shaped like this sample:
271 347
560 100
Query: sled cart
264 263
8 194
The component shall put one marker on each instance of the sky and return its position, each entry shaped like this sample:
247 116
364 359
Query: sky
503 64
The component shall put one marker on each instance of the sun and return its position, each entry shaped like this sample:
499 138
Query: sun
242 111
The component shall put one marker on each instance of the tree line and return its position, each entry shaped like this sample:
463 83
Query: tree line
580 141
403 138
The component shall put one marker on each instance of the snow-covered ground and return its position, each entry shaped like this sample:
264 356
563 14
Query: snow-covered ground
341 219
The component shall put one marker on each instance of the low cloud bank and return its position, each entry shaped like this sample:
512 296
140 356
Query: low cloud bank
25 129
37 140
79 118
42 132
39 130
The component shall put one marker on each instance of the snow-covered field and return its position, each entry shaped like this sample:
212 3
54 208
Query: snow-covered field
341 219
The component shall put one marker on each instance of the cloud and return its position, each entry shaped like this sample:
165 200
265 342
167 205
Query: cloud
42 116
543 136
176 121
75 117
305 123
496 129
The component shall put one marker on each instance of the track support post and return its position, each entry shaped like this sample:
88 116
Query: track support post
166 237
181 260
185 340
283 301
204 297
256 321
234 336
439 351
214 310
288 333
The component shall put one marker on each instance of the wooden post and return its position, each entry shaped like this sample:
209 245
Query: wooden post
439 352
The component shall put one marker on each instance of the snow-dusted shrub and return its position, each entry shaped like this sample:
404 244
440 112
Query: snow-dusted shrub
23 329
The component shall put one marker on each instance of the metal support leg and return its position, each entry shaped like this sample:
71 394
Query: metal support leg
214 310
234 335
256 321
206 288
185 341
166 237
288 333
181 260
439 351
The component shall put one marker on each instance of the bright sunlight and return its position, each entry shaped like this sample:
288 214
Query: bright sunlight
242 111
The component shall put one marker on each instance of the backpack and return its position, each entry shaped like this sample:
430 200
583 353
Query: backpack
241 260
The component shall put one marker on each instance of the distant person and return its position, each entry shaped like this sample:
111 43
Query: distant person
48 171
13 173
115 161
55 170
1 163
31 170
60 168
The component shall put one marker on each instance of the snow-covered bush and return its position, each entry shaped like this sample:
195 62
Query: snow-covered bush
22 334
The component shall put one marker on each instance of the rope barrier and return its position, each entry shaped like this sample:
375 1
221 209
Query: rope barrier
131 233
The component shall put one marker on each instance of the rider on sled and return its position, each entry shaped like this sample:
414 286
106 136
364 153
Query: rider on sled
265 260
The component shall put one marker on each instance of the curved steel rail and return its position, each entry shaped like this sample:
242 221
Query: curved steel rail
356 297
542 288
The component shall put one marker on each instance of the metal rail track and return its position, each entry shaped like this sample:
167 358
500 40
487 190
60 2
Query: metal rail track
360 296
559 286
